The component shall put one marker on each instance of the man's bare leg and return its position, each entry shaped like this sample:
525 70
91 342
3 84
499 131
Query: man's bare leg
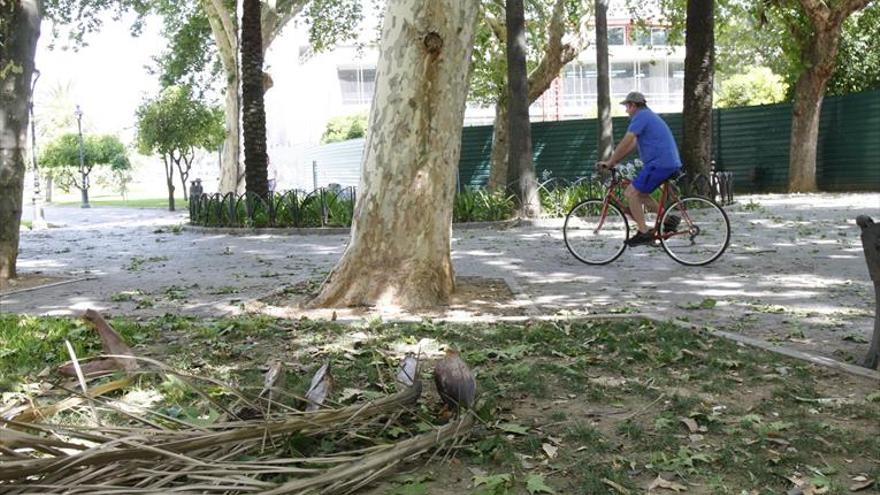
637 201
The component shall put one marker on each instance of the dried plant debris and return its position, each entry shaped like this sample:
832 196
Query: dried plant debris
255 445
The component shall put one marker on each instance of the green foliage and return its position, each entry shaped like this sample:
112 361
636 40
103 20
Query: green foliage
344 128
858 61
60 158
558 201
28 343
758 86
488 83
98 150
191 57
176 122
332 21
482 206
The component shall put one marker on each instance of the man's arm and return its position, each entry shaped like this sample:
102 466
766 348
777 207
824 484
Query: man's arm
624 147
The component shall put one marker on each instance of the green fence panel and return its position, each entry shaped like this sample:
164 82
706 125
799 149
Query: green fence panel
848 156
751 142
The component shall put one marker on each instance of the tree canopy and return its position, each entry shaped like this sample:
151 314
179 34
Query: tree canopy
98 150
176 122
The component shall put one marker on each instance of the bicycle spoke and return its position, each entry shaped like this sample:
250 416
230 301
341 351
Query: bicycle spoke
594 233
701 235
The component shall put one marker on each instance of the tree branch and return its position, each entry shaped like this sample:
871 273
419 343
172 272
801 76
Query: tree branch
225 44
556 54
847 8
497 27
274 22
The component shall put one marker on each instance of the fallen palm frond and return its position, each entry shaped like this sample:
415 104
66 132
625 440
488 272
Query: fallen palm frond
147 451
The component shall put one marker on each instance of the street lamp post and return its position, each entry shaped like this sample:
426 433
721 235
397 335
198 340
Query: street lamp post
39 219
82 166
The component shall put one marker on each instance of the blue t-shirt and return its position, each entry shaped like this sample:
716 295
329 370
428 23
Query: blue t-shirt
656 145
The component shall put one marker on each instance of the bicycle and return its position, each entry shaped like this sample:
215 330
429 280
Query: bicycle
596 229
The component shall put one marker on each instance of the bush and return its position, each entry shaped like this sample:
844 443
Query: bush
758 86
344 128
480 205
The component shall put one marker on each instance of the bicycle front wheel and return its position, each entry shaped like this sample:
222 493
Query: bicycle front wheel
701 235
593 234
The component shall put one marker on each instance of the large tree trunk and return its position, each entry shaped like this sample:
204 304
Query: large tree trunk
231 169
819 57
808 96
603 84
521 169
20 29
225 34
254 112
699 71
399 253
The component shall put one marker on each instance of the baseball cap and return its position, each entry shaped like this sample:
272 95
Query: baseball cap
634 97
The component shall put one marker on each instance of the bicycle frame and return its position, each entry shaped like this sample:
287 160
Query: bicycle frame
667 195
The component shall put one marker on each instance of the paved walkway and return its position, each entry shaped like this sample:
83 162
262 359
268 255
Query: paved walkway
794 271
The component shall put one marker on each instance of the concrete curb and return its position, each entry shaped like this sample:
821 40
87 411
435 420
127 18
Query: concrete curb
782 350
243 231
46 286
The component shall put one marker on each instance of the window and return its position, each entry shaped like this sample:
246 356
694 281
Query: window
676 77
616 36
658 37
622 80
579 83
641 36
357 85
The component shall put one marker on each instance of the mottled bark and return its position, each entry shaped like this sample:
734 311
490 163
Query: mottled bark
699 71
399 254
818 59
603 84
20 29
253 110
226 38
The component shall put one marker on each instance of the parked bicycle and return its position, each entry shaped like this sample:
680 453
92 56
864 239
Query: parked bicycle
693 231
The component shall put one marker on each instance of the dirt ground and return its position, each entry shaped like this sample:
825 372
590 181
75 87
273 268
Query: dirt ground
794 272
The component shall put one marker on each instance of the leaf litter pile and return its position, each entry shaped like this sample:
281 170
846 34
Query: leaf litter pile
562 407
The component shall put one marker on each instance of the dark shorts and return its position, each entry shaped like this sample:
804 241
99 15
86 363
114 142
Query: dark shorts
651 177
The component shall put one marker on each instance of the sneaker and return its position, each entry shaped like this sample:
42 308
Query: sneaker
639 239
671 223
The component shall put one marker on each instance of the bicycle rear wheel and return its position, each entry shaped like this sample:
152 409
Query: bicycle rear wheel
593 234
702 234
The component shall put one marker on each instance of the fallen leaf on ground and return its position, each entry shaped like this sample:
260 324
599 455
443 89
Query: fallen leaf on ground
550 450
620 489
535 484
692 425
861 483
666 485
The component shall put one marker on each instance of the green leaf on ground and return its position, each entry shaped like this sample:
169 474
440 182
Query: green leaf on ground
535 484
707 303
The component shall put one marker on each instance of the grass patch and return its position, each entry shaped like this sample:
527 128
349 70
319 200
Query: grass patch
588 406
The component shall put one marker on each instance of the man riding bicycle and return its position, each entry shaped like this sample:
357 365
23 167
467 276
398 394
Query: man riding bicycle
658 152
